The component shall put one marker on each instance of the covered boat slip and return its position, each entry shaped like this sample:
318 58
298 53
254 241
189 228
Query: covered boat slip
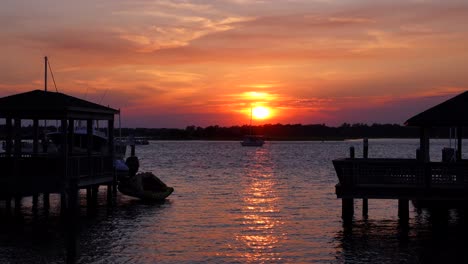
411 179
62 169
30 175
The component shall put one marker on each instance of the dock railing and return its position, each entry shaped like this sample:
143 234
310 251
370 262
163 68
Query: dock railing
382 178
26 174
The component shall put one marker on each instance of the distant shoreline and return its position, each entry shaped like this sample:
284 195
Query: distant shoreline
271 132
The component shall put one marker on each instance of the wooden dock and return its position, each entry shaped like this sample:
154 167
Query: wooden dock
418 179
67 167
401 179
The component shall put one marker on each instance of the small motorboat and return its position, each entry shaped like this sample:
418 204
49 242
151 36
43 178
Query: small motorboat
145 186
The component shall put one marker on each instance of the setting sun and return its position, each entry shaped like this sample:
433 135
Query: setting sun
260 112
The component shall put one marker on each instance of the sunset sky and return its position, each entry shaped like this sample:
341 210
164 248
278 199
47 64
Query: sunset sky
179 63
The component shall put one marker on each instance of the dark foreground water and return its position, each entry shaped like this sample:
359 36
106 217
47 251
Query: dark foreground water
233 204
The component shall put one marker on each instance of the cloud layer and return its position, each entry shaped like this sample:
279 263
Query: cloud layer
177 63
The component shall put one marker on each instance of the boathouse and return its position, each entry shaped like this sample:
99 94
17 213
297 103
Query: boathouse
410 179
63 169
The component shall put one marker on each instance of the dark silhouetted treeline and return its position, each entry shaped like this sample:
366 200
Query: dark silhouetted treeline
270 132
284 132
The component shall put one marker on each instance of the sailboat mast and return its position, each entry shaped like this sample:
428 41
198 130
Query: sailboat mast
251 114
45 73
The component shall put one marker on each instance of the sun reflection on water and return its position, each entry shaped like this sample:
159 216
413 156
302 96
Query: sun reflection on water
261 221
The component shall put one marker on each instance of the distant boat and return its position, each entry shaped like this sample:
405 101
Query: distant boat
252 140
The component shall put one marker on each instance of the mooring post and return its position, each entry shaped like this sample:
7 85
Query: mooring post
351 152
95 191
18 204
8 205
35 201
114 185
46 201
365 207
72 221
347 209
89 197
63 203
365 149
403 209
109 194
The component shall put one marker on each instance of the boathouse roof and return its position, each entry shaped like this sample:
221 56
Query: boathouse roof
52 105
453 112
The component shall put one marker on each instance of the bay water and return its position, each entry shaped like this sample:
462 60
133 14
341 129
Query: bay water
233 204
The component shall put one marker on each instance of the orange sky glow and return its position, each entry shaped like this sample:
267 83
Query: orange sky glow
204 62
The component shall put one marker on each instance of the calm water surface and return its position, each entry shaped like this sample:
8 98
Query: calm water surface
233 204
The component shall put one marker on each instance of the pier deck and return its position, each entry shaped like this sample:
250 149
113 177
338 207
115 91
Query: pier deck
401 179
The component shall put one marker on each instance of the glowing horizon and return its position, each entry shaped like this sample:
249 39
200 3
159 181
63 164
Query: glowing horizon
178 63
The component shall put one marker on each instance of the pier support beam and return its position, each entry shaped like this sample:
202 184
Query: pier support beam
18 204
109 194
403 209
46 200
8 205
95 193
35 201
72 221
63 203
347 209
365 207
89 197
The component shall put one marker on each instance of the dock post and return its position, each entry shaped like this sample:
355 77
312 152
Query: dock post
132 150
365 149
365 207
8 205
46 201
63 203
72 245
403 209
18 204
109 194
351 152
35 200
89 197
114 185
95 192
347 209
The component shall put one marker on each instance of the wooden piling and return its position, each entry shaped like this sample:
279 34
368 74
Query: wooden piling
63 203
109 194
35 200
72 221
347 209
8 205
46 200
403 209
132 150
95 193
89 197
365 207
365 148
18 204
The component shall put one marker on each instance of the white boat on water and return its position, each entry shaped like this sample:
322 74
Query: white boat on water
252 141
